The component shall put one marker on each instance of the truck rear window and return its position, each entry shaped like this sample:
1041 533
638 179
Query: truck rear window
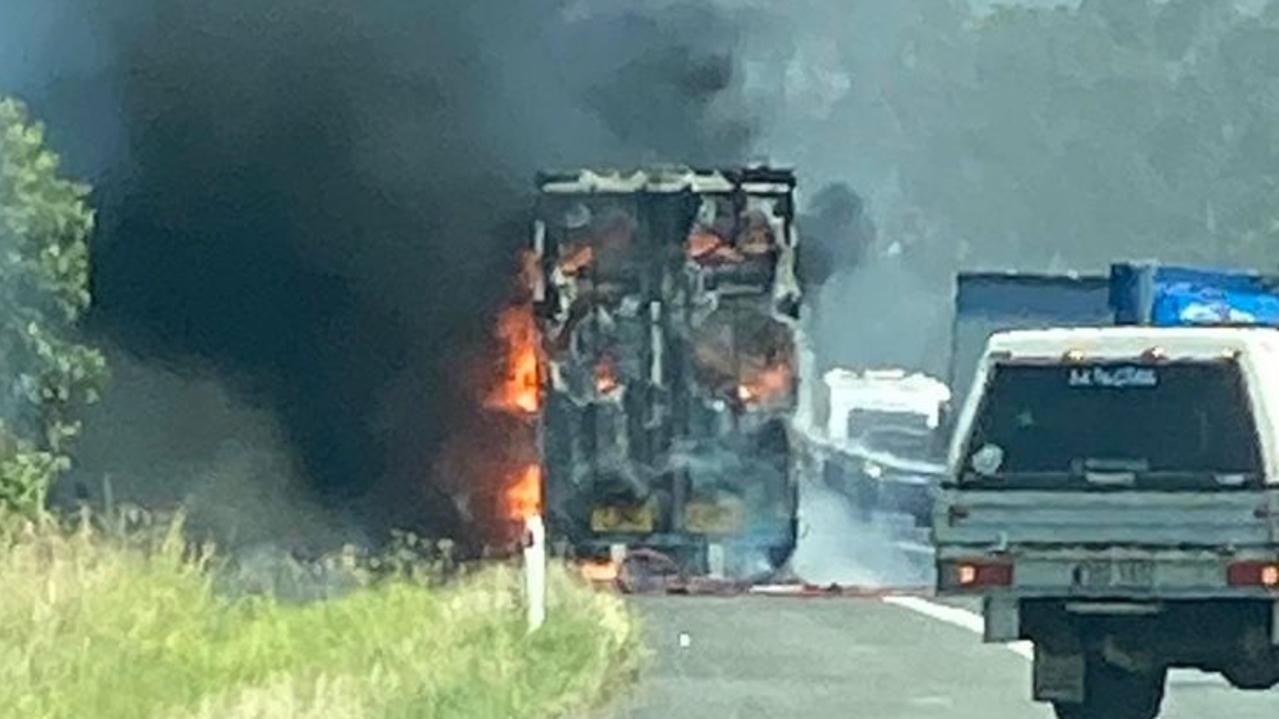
1154 424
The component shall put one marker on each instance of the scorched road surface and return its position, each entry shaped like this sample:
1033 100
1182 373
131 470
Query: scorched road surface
752 657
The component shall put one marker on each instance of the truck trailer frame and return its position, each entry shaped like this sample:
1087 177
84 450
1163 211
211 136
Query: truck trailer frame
667 305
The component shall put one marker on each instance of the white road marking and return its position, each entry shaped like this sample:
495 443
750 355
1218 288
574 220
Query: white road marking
955 616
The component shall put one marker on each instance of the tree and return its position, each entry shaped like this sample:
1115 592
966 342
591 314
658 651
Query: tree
1034 138
1035 135
46 373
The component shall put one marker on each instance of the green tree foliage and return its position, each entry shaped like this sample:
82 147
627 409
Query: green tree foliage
1081 135
45 373
1047 134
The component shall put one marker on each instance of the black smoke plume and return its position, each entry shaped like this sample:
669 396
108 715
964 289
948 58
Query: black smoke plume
322 199
838 233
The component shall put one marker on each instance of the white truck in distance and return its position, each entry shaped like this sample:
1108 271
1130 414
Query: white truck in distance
875 436
1113 496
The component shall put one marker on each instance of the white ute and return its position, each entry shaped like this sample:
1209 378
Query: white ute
1113 496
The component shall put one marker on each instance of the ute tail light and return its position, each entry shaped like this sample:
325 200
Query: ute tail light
977 574
1253 574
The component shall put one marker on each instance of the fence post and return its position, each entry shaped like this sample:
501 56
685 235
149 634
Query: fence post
535 571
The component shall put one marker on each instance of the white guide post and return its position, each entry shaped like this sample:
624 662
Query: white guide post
535 571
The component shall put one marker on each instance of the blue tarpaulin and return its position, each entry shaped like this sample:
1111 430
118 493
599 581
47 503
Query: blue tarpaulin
1175 296
1189 304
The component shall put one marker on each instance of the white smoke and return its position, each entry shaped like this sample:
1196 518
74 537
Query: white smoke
836 547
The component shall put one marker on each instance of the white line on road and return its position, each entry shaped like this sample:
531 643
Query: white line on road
955 616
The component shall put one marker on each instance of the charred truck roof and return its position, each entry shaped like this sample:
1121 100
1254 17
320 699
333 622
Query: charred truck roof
675 178
666 303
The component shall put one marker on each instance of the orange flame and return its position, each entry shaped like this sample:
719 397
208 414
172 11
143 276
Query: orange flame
707 246
524 496
605 375
577 259
519 391
702 243
600 571
767 384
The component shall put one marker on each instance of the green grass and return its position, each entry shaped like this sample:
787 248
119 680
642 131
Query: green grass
98 628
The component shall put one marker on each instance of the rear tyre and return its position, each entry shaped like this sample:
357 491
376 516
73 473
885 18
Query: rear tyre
1114 693
1256 675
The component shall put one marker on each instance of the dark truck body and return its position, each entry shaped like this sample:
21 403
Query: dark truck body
902 483
988 302
667 303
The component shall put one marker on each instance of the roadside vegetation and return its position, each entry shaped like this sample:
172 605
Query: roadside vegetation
136 625
47 374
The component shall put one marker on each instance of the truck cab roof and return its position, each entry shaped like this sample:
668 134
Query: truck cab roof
1133 341
667 179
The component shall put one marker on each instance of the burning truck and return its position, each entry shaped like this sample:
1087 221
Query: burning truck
654 357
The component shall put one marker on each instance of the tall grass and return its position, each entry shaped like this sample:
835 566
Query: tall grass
95 626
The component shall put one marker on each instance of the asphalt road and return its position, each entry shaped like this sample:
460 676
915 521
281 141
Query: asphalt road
752 657
756 657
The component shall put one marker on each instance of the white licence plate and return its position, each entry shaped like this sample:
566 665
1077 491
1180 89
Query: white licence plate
1117 573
